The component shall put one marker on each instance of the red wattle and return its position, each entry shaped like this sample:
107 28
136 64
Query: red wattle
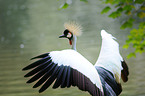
70 42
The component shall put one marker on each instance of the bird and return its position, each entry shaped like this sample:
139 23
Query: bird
68 67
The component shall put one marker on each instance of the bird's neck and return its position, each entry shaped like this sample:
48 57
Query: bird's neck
74 40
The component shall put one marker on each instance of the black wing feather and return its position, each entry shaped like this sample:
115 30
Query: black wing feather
34 71
63 84
69 77
59 78
50 80
36 63
125 71
47 72
41 56
39 74
45 77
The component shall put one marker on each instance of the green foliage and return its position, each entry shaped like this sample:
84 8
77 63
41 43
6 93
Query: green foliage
137 40
128 23
64 6
141 14
115 14
139 1
134 11
106 9
131 55
143 8
84 0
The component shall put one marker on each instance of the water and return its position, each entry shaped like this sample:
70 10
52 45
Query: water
32 27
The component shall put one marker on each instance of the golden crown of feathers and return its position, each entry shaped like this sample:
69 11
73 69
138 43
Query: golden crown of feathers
73 27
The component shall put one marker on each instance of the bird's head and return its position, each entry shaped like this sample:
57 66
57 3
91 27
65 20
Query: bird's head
67 34
72 29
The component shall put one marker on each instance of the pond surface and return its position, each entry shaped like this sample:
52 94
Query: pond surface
31 27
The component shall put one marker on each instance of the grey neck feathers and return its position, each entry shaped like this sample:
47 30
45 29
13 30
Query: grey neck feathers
74 43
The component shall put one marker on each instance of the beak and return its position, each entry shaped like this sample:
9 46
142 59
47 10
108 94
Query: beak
62 36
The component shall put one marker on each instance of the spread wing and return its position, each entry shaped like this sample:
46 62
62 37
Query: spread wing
110 58
111 66
64 69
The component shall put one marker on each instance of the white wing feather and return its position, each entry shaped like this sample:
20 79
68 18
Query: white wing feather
109 57
78 62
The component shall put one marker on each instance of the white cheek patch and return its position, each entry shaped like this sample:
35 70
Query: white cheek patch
69 35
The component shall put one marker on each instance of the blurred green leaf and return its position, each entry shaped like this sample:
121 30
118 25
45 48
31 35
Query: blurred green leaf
143 8
64 6
126 46
143 43
142 25
128 1
139 1
112 1
109 1
105 10
115 14
84 0
141 14
127 24
128 12
131 20
120 4
120 9
131 55
129 39
139 50
128 7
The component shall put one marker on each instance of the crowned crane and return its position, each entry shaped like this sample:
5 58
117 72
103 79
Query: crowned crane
68 68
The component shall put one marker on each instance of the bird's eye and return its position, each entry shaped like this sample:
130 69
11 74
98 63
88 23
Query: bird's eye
69 35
